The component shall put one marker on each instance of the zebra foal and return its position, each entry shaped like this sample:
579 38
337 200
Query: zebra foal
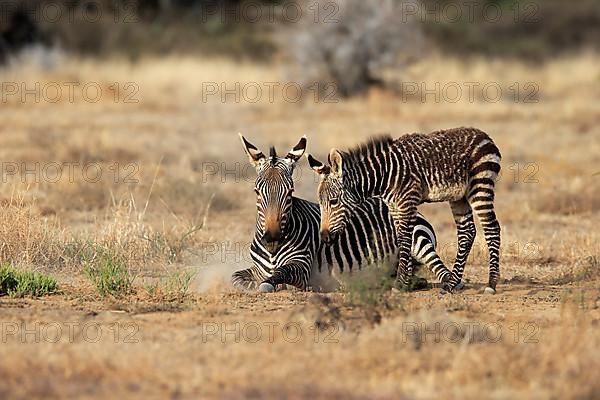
287 248
457 165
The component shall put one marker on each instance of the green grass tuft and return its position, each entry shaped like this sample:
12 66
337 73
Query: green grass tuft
369 288
110 276
17 283
178 283
174 288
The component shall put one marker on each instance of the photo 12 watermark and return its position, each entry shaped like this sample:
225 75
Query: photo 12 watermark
466 11
68 92
55 172
68 332
254 12
253 332
471 92
255 92
420 333
71 12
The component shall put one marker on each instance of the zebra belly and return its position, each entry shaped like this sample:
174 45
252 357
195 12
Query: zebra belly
448 192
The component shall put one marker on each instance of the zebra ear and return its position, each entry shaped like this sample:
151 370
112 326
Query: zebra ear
317 165
335 160
255 156
298 150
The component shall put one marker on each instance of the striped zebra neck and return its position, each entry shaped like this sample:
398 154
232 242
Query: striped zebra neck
366 168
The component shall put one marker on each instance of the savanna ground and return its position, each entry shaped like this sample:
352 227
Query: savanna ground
177 218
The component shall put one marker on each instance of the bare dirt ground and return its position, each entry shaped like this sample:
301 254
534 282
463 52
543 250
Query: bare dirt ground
189 206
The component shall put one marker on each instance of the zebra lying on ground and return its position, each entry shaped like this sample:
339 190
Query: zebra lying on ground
287 248
456 165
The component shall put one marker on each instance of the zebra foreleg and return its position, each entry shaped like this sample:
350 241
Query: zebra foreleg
294 274
404 222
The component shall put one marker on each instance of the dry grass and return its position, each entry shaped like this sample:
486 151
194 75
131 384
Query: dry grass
27 237
177 219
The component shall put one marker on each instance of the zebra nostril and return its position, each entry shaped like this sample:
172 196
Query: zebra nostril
271 237
267 238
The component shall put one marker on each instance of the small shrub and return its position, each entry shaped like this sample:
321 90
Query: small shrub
352 47
178 283
369 287
174 288
18 283
110 276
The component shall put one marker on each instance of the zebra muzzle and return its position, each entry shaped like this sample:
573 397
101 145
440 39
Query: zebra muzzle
327 237
271 241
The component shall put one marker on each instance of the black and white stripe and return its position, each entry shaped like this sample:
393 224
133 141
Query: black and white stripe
456 165
295 255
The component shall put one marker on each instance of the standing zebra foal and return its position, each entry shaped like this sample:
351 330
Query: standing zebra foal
287 248
457 165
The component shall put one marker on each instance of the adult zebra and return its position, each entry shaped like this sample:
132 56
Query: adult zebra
287 249
457 165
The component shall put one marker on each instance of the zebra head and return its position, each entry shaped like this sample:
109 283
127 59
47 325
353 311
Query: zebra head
274 187
335 200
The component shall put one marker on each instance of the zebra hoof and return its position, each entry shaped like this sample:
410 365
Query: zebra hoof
401 288
448 288
266 287
489 290
419 284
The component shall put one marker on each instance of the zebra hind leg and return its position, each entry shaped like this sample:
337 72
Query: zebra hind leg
424 254
483 205
465 230
244 280
416 282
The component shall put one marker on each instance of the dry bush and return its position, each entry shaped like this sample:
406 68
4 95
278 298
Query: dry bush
26 237
136 243
351 45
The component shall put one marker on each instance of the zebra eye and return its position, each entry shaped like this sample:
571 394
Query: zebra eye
334 202
257 192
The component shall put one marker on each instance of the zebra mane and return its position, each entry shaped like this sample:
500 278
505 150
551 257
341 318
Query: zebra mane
272 154
372 146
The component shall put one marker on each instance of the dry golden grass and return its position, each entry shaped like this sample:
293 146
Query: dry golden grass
176 216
